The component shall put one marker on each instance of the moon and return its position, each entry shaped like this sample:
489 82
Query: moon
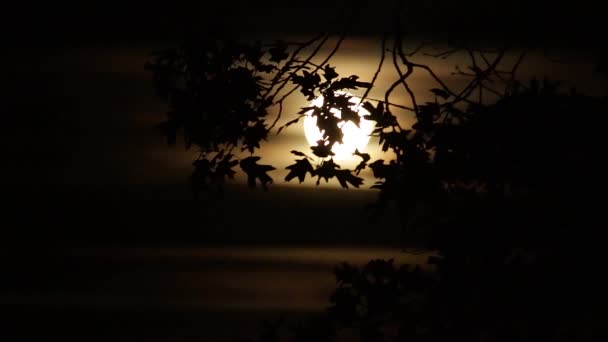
355 138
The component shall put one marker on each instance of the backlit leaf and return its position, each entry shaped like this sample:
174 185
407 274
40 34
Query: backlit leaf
299 169
256 171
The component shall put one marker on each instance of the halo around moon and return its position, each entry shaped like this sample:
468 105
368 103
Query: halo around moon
355 138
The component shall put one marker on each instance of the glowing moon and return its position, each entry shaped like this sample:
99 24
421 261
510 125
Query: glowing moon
354 137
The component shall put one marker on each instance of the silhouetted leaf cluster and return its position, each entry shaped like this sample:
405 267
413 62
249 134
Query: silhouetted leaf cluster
335 100
212 94
308 82
327 170
218 94
501 192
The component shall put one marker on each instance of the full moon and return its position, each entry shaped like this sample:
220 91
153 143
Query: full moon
355 138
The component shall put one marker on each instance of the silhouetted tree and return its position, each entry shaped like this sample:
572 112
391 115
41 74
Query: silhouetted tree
499 176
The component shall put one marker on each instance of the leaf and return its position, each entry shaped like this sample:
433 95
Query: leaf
345 177
378 168
383 118
308 82
267 68
387 139
253 135
440 92
328 125
300 154
330 73
279 52
375 113
348 114
364 156
349 83
299 169
363 163
378 185
224 167
256 171
253 53
322 150
338 101
429 110
327 170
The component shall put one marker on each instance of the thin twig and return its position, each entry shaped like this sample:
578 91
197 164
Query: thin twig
313 53
443 54
407 74
402 78
415 51
382 56
278 116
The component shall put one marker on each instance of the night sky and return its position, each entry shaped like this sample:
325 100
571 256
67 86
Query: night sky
136 21
84 164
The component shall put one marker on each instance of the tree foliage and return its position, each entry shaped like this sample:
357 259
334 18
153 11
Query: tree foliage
496 176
